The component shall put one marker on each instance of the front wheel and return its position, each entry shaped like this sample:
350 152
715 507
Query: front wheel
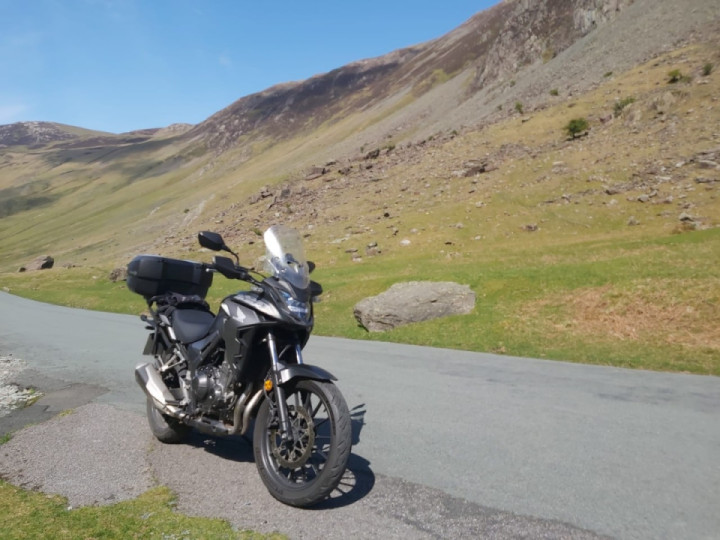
304 470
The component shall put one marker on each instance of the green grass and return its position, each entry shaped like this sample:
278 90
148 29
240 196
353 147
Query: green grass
645 303
27 514
87 288
515 313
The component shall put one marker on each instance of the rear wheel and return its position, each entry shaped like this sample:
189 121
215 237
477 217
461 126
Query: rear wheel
304 470
166 429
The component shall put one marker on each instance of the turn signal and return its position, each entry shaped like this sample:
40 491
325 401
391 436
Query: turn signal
268 385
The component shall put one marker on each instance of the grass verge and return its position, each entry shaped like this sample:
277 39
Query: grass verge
27 514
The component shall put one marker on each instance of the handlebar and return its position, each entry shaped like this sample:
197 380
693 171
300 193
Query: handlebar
229 269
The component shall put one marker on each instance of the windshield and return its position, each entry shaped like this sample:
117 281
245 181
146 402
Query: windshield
285 256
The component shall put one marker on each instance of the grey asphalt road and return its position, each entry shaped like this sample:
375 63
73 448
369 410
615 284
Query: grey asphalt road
447 443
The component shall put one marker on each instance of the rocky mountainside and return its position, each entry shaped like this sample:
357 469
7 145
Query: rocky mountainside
488 49
83 191
39 134
516 51
35 133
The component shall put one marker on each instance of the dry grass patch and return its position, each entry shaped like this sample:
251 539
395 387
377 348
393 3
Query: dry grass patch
673 312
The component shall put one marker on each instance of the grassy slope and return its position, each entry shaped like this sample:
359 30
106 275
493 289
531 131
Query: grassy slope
585 286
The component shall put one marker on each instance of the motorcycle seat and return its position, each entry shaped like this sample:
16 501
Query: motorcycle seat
191 324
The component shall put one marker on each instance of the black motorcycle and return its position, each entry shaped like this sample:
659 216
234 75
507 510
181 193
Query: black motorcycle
215 373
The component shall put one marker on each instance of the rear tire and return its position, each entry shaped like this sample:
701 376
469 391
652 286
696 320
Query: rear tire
305 472
166 429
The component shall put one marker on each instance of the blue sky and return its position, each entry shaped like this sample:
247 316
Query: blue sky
120 65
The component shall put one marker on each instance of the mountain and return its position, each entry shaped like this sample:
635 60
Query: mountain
84 195
500 54
485 51
36 134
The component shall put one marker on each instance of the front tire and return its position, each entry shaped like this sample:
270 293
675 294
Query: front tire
166 429
306 471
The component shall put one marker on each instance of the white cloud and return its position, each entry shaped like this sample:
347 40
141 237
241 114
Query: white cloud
225 60
12 113
12 45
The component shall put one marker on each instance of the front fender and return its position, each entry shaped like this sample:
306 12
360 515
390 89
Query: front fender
304 371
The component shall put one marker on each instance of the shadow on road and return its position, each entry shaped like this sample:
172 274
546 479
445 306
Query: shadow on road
356 483
233 448
358 480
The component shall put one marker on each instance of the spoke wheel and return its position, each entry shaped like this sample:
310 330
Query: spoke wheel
302 470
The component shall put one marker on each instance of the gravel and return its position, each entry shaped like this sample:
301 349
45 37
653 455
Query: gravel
11 395
94 454
97 454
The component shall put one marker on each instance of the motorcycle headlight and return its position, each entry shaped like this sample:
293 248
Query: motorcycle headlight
296 307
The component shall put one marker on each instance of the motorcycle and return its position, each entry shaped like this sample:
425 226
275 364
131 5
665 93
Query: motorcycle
217 372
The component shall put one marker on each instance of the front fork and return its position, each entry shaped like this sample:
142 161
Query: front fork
286 431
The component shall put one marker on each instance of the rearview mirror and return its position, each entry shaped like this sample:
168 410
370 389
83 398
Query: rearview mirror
212 240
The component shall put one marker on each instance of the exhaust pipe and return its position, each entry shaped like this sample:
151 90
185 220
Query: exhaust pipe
147 376
149 379
243 409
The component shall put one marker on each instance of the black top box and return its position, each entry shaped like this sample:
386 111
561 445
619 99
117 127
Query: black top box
152 275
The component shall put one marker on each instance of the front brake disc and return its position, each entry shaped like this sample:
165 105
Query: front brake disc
294 452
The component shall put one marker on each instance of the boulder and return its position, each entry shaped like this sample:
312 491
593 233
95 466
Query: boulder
374 154
315 172
664 103
41 263
477 166
118 274
414 301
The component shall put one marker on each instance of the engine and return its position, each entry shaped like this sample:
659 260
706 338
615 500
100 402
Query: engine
213 387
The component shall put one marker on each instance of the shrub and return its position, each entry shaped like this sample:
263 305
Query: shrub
676 76
707 69
608 74
620 105
576 126
554 92
438 77
519 107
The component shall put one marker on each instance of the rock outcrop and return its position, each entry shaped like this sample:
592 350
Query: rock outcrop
118 274
414 301
41 263
33 133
